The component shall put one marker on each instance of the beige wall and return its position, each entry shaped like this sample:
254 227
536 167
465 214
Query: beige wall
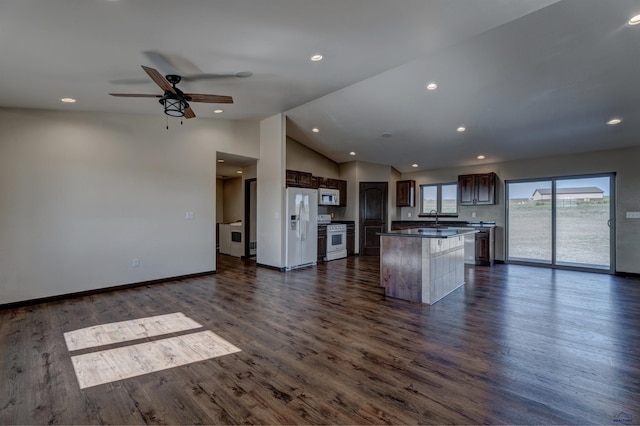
83 194
623 162
270 192
304 159
233 200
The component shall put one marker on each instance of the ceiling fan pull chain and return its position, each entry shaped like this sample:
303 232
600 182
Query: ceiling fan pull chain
167 117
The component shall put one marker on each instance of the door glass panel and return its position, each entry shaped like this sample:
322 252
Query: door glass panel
530 221
582 213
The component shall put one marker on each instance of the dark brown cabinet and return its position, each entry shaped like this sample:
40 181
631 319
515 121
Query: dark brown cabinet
342 186
322 242
485 246
477 189
299 179
405 193
351 239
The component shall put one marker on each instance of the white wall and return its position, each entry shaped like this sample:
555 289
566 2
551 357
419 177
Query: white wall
82 194
270 192
623 162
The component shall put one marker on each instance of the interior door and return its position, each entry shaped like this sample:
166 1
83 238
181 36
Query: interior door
373 216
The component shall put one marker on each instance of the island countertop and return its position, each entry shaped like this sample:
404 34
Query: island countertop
430 232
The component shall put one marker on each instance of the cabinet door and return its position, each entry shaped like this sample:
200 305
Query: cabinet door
342 187
331 183
351 240
466 195
304 179
482 247
485 189
405 193
322 242
292 178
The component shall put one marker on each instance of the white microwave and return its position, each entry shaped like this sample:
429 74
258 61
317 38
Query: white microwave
328 197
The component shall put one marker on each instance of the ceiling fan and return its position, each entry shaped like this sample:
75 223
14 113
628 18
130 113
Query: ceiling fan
174 100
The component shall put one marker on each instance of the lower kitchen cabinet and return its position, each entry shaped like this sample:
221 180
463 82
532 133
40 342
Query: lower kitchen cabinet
485 246
351 239
322 242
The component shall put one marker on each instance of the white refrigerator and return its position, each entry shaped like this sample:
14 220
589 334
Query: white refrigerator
301 244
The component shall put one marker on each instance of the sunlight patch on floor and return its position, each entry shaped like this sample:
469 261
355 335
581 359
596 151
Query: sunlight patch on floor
124 331
100 367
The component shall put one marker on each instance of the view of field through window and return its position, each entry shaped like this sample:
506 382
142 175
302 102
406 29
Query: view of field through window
583 209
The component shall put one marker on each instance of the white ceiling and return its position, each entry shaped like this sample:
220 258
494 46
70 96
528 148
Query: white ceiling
527 78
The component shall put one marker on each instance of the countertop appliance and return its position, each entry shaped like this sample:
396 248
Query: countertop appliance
301 228
336 241
328 197
324 219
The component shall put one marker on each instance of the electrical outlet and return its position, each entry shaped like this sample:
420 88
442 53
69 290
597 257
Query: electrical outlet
409 214
135 263
189 215
473 214
633 215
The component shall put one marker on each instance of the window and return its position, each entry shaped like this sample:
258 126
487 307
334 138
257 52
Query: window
441 197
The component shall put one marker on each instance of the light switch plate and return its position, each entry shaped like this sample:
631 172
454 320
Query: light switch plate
633 215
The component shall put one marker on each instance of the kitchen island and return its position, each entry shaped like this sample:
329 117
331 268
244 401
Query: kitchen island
422 265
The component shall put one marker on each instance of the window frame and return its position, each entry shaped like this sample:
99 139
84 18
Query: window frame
438 186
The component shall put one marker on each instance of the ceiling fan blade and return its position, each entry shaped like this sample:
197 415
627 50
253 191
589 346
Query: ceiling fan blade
159 79
135 95
188 113
212 99
196 77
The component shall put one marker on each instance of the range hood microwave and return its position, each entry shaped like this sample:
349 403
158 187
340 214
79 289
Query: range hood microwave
328 197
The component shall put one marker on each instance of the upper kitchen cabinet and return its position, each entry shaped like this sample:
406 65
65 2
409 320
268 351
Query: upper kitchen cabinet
405 193
299 179
342 187
477 189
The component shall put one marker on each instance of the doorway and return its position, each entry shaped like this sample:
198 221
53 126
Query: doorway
373 216
564 222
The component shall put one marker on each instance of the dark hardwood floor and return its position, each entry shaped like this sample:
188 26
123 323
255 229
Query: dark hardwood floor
515 345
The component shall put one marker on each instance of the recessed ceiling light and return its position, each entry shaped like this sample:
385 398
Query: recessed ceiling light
239 172
634 21
386 134
481 157
432 86
414 165
461 129
68 100
217 111
220 160
316 58
352 153
614 121
315 130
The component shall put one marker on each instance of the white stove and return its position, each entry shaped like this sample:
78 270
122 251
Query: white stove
336 241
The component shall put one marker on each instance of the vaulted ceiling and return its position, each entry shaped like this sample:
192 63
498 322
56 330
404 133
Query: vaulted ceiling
525 78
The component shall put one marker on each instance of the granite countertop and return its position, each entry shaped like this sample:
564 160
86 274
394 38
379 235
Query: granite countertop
444 223
429 232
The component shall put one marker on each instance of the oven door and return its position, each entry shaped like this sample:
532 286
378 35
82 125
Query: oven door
336 241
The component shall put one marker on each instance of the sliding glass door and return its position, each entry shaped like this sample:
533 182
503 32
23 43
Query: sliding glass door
563 221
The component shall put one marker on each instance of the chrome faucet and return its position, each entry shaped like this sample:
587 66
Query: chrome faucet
432 213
